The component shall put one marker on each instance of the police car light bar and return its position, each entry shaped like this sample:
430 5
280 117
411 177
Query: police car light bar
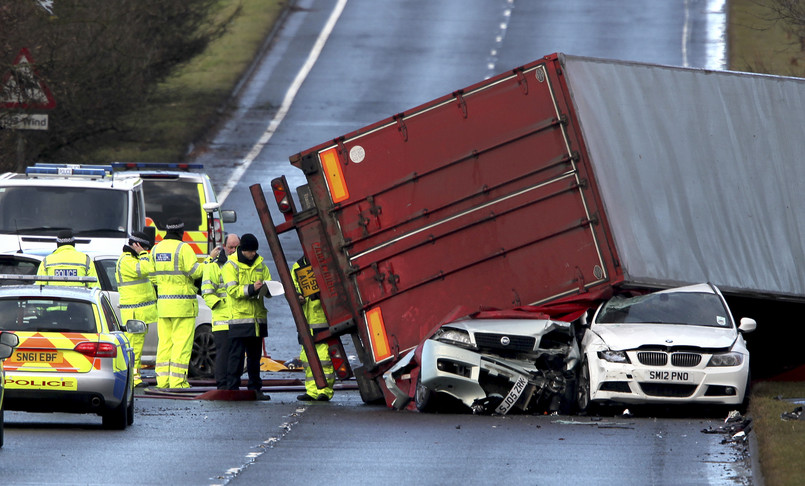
47 278
68 170
156 166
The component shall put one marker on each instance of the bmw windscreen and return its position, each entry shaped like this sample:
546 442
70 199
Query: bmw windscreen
687 308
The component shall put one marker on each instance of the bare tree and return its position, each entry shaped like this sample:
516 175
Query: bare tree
100 59
790 14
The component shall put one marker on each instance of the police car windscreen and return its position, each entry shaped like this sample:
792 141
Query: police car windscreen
48 209
167 198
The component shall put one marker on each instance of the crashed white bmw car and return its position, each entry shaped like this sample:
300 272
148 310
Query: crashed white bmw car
679 345
491 362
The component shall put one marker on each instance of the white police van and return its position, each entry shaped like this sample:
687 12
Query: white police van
100 210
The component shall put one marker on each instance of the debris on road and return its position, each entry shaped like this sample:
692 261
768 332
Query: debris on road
736 426
795 414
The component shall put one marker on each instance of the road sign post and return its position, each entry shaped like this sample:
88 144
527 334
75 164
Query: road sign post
22 90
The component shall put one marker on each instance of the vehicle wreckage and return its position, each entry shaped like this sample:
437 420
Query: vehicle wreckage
510 361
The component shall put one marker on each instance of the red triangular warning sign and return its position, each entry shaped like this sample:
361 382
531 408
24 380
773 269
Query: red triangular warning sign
22 88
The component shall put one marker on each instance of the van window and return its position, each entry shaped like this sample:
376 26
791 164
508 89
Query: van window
165 199
48 209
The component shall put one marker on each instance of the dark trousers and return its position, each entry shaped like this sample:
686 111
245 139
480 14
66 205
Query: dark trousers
252 347
221 339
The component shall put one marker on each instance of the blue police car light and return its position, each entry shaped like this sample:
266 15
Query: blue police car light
67 170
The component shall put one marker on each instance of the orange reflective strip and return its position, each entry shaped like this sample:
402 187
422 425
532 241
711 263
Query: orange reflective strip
54 341
334 175
377 335
197 236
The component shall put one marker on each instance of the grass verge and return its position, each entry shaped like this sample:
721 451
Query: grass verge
781 443
185 106
758 43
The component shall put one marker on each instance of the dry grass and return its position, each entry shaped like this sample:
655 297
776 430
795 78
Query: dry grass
758 43
185 107
781 442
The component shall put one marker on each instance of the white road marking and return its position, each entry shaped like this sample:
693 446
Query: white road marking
293 89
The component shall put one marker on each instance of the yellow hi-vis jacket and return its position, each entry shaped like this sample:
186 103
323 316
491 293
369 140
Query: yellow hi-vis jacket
213 291
134 285
248 312
314 313
175 270
66 261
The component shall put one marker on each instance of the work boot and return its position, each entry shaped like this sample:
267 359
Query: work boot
306 398
322 398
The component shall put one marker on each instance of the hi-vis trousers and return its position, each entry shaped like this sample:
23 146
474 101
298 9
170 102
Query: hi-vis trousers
173 351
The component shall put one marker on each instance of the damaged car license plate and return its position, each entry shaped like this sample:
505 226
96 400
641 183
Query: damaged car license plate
512 396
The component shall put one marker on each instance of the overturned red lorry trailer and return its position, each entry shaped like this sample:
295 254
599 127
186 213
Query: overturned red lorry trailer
565 178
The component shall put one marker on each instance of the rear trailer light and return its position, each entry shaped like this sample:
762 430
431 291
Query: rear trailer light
279 187
97 350
281 195
339 361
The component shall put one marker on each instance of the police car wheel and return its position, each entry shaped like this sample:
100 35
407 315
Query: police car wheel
117 418
130 410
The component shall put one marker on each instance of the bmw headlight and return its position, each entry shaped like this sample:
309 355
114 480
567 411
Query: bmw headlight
453 336
613 356
726 359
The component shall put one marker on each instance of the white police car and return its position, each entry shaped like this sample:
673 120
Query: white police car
73 354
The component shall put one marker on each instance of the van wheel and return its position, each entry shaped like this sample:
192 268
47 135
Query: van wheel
202 359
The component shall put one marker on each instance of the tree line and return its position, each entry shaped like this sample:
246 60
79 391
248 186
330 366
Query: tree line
99 59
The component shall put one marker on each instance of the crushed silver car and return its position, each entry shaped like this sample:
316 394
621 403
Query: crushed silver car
490 362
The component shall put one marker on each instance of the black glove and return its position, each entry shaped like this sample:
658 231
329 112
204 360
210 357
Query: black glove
221 258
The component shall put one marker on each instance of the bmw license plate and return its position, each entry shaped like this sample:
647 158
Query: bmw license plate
664 375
